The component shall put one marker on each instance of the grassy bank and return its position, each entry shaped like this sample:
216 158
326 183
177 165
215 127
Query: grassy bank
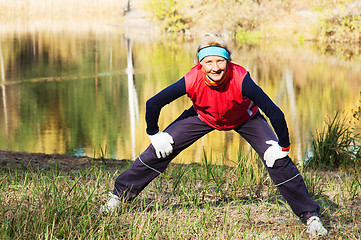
199 201
249 20
60 9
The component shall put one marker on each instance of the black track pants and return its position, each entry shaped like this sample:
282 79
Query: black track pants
188 129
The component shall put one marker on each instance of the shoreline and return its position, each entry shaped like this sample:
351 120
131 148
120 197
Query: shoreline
40 161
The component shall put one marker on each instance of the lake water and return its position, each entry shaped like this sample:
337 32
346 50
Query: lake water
85 93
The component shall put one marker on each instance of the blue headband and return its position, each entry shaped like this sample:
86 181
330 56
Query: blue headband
212 51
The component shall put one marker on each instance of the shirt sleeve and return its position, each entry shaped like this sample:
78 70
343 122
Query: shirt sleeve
251 90
155 104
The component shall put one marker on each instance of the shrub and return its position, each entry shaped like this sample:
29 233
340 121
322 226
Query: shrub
343 24
172 14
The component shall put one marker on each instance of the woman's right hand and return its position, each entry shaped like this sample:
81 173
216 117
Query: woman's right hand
162 143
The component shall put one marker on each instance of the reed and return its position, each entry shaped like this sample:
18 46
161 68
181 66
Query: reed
336 145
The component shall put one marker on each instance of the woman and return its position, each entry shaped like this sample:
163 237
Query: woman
225 98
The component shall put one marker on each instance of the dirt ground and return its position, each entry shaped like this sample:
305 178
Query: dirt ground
43 161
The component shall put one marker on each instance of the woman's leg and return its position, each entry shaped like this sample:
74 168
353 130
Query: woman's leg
284 173
185 131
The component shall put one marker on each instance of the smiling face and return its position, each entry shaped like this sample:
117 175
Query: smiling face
215 67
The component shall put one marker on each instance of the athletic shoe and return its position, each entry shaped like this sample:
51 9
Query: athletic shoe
315 227
112 204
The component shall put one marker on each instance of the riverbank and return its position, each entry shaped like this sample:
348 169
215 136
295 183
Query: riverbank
300 20
42 161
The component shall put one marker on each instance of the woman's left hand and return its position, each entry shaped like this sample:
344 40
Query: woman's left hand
273 153
162 143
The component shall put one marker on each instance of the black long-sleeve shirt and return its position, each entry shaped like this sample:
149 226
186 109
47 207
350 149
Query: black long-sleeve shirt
249 89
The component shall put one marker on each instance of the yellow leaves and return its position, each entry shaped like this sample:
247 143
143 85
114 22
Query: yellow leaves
172 13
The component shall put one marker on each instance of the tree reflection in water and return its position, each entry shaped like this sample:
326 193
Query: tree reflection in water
50 102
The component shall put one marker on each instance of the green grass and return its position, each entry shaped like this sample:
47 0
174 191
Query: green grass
195 201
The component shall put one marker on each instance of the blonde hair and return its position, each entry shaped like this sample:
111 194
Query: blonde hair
212 39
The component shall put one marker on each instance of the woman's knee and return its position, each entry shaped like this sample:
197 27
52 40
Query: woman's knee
283 170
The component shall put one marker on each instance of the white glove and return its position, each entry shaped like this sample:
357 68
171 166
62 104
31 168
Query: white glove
273 153
162 143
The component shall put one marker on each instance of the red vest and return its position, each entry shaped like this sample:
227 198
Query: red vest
222 108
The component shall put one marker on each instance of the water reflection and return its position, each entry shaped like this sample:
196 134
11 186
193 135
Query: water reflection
86 93
133 100
3 90
288 78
